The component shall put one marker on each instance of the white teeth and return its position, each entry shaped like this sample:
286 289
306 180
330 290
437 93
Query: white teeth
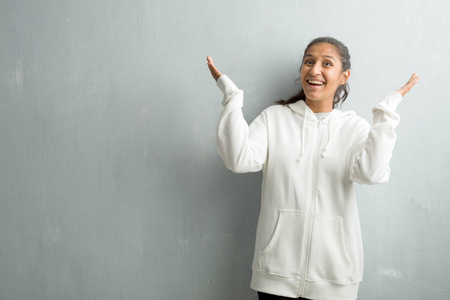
315 82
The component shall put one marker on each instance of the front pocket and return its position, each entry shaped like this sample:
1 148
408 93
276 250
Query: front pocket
282 255
328 255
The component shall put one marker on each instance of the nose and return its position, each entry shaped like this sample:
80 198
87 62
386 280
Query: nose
315 69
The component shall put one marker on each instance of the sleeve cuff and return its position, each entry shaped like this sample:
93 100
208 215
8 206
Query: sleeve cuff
226 85
390 102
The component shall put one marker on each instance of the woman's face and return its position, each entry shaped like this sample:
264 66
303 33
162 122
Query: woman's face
321 74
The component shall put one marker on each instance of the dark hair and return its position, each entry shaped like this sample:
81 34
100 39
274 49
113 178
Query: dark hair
343 90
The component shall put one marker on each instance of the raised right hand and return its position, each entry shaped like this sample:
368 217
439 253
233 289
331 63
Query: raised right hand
214 72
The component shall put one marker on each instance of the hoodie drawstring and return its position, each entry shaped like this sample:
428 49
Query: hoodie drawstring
302 150
324 154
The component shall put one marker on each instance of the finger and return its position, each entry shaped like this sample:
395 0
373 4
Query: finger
211 65
210 60
411 82
212 68
414 79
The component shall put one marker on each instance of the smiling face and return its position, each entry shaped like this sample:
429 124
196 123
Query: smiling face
321 74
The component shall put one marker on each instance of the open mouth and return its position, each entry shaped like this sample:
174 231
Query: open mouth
315 82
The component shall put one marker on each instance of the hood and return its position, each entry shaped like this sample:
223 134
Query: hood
335 115
308 115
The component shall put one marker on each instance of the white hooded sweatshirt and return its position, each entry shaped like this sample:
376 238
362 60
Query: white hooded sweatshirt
308 241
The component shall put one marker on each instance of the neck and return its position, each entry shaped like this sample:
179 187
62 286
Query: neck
319 106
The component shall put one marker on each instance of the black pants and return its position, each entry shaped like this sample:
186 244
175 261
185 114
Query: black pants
264 296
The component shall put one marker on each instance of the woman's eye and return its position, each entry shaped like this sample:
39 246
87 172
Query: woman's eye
308 62
328 64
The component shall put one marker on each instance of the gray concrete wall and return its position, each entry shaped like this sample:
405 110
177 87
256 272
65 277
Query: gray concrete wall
110 183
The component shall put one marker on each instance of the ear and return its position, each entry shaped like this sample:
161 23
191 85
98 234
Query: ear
344 77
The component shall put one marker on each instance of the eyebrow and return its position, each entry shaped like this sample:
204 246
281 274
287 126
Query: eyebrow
329 56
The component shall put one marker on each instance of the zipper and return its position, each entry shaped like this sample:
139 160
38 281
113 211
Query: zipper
310 210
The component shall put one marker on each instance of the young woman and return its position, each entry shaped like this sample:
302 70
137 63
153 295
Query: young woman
308 241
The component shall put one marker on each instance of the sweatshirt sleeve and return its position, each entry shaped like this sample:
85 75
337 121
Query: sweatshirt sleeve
243 148
372 149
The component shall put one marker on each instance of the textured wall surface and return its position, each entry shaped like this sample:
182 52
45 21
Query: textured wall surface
110 183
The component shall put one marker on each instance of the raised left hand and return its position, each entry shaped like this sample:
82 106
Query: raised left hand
408 86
